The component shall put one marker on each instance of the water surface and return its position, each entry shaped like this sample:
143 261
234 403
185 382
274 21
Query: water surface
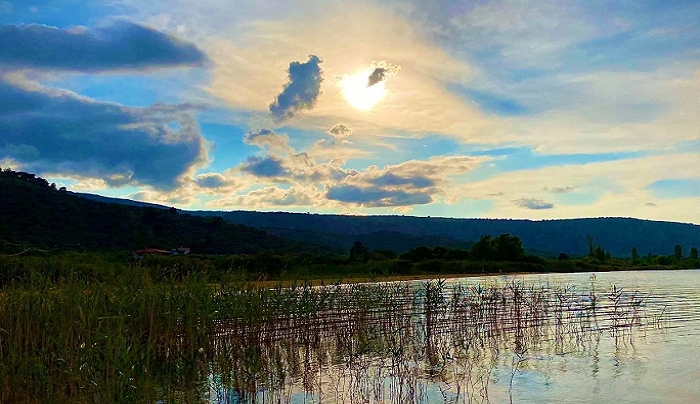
659 364
616 337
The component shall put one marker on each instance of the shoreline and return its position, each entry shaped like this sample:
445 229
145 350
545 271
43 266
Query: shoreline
425 277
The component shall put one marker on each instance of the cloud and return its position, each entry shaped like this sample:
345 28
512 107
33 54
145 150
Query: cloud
264 167
376 196
340 131
559 190
211 180
327 185
181 197
534 204
122 46
675 188
272 197
651 204
523 33
606 188
301 91
414 182
568 108
436 167
56 131
382 71
269 140
282 163
417 100
390 179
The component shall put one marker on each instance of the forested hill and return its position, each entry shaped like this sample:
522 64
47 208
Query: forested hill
35 213
616 235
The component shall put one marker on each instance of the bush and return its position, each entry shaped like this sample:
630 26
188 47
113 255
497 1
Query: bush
400 267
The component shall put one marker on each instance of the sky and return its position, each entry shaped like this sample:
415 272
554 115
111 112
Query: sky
495 109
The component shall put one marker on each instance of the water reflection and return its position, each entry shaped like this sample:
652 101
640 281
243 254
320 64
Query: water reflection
528 339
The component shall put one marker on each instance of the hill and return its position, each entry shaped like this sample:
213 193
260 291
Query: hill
35 213
616 235
119 201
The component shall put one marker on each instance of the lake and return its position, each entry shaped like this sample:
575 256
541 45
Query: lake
615 337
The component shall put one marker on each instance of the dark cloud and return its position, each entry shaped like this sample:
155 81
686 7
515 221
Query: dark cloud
264 167
123 46
651 204
389 179
301 91
376 197
534 204
55 131
381 72
340 131
211 180
559 190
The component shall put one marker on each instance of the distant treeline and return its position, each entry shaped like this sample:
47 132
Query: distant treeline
544 238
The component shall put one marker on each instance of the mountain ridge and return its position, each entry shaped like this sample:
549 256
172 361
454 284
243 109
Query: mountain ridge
617 235
339 232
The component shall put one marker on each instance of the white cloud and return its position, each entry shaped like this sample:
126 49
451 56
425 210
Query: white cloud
273 196
617 187
585 109
251 59
526 32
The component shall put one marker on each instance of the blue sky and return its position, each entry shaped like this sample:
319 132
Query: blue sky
505 108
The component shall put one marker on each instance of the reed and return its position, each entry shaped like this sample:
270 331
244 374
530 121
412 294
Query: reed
95 332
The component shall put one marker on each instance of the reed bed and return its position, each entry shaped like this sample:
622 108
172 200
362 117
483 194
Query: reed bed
191 340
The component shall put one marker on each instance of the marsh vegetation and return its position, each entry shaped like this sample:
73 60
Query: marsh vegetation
81 329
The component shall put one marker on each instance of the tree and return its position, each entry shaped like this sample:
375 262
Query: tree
590 240
439 251
358 252
379 255
634 256
481 250
267 263
678 252
454 254
507 248
563 257
599 254
693 253
417 254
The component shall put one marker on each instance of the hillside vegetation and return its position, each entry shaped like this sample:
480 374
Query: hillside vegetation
617 235
36 214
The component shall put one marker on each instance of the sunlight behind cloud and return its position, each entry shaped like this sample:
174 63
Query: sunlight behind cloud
358 93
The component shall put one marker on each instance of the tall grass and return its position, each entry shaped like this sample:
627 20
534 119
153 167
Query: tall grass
84 329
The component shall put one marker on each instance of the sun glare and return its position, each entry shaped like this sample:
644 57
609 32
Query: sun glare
358 93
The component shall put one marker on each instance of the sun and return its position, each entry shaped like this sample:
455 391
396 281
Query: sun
358 93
